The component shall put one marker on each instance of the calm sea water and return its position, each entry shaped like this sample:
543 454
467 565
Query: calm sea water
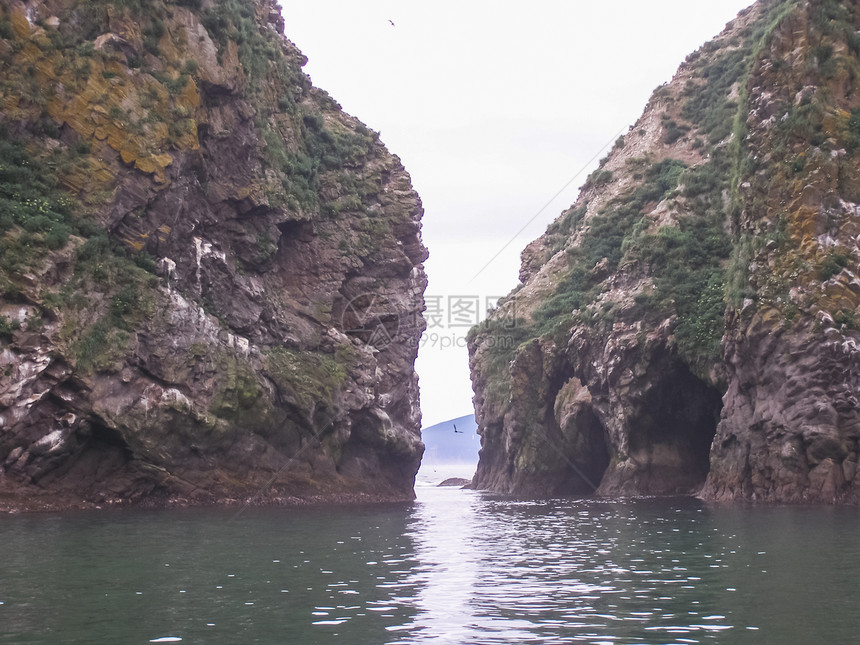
454 567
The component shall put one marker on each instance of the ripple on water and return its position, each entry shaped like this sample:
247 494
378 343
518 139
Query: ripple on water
456 567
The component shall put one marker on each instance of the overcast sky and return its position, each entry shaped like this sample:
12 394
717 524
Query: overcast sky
493 107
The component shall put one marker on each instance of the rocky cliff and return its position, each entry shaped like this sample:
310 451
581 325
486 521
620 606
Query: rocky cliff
690 324
211 276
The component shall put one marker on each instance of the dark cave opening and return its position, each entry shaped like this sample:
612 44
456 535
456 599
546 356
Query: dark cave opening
296 230
109 437
584 454
671 437
592 454
294 257
94 455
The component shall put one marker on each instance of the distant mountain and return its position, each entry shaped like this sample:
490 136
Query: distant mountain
445 446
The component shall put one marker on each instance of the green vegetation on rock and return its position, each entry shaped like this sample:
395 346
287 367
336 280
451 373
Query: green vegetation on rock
311 381
688 259
697 310
605 242
36 216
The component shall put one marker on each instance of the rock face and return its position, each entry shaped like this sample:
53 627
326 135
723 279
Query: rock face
690 324
211 276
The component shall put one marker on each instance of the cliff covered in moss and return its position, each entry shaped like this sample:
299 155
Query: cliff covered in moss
211 276
690 324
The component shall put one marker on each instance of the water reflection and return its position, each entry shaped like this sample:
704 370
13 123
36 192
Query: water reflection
647 571
447 546
506 571
454 567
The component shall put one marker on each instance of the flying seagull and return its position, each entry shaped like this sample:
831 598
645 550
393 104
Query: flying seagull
457 431
392 22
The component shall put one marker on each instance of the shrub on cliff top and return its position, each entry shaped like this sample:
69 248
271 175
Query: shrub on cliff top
604 239
237 21
708 105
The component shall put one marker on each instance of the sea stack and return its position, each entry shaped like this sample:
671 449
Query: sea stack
212 277
691 324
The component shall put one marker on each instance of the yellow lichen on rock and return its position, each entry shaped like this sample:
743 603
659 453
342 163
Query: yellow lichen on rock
102 98
18 19
802 221
89 173
154 164
139 243
840 295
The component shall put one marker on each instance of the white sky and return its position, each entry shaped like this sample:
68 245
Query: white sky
492 107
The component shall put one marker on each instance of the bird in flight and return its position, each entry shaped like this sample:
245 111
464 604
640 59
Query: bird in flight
457 431
392 22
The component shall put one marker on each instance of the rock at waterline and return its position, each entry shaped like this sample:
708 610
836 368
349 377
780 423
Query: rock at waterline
455 481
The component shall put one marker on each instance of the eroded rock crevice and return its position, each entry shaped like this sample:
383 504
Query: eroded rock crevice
586 442
669 438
